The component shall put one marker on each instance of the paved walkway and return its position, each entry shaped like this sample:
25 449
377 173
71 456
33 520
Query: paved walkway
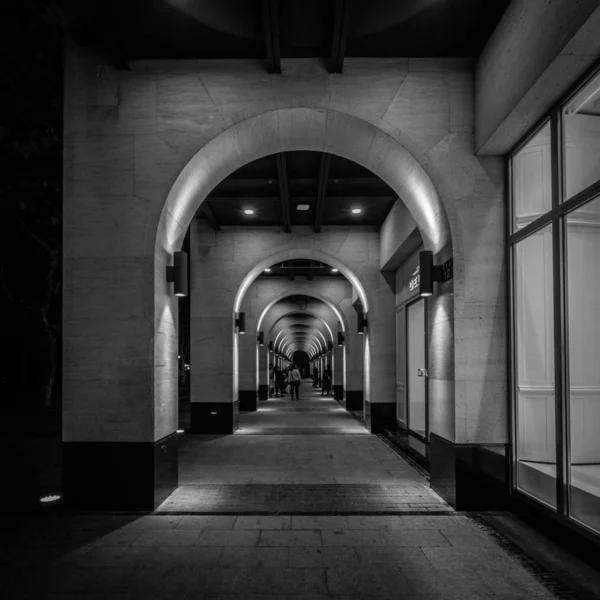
244 555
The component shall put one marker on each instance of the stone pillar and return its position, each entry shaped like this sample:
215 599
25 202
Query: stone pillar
248 392
214 406
264 358
354 366
338 372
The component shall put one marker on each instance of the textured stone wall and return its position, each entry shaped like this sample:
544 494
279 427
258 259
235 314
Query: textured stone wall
129 197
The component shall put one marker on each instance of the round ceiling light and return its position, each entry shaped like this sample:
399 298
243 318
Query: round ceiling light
302 207
249 211
356 211
267 270
334 270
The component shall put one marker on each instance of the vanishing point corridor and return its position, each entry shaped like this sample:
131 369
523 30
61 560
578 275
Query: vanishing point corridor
300 503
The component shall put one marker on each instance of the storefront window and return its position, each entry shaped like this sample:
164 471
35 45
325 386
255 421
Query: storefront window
581 133
535 395
583 290
532 180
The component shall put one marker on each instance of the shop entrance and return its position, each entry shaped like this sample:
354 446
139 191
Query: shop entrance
416 338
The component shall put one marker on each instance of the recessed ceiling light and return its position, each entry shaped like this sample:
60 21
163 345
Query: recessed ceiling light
356 211
302 207
334 270
267 270
249 211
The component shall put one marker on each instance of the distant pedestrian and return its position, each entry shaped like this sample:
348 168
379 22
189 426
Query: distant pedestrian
271 380
326 389
280 382
315 376
294 378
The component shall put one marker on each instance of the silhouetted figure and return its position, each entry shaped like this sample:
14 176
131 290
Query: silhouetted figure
271 379
315 377
280 382
294 379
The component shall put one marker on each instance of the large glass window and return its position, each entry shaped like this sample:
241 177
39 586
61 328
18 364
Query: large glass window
581 133
532 179
536 404
583 289
555 310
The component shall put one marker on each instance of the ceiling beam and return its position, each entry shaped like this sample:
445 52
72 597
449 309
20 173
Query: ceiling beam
341 23
235 182
270 17
210 216
284 192
322 190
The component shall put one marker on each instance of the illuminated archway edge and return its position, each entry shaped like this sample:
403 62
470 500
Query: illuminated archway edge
304 312
292 254
314 296
293 336
309 129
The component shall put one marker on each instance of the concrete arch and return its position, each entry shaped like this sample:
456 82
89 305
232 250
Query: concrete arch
307 312
316 296
310 253
302 128
297 334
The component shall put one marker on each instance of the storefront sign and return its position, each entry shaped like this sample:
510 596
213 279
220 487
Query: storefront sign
413 284
447 270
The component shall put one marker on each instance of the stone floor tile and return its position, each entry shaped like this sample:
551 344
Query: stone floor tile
433 581
460 558
254 557
225 580
424 538
319 522
290 538
375 582
206 522
225 537
154 522
353 538
263 522
166 538
468 538
288 581
121 537
400 557
374 522
319 557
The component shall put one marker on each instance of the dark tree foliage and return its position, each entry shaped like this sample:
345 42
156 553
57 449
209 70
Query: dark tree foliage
31 34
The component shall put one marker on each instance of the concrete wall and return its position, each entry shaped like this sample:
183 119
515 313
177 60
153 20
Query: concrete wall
538 51
129 136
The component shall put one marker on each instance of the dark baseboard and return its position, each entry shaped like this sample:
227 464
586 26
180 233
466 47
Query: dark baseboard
338 393
214 417
263 392
469 476
354 400
119 475
379 415
415 448
248 400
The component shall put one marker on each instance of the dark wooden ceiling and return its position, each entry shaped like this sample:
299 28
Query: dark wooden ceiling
269 30
274 186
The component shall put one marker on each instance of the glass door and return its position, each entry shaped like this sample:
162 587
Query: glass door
416 384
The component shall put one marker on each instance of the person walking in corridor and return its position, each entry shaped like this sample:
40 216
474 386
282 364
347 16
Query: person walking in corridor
326 389
294 378
280 382
315 376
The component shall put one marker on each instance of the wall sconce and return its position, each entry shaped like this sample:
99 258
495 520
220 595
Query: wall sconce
261 338
330 346
429 272
178 274
271 346
340 338
362 323
240 323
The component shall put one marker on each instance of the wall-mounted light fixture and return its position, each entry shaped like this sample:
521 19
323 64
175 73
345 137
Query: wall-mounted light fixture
330 346
271 346
240 323
429 273
178 274
362 323
340 338
261 338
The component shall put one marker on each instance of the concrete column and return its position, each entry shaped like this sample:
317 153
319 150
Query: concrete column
338 372
354 366
264 358
248 392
